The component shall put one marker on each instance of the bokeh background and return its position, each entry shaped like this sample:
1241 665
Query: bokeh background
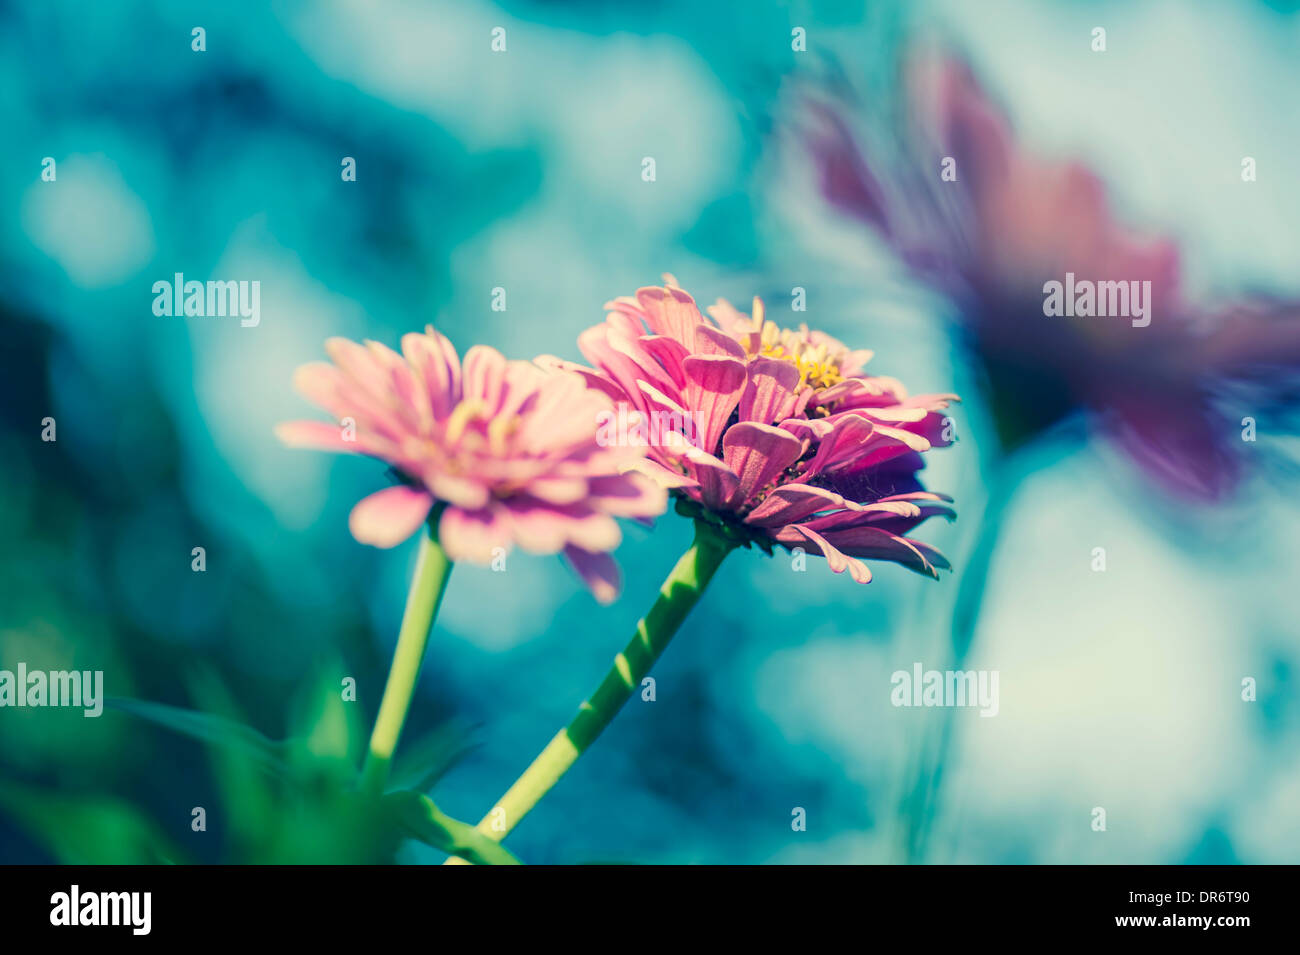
522 170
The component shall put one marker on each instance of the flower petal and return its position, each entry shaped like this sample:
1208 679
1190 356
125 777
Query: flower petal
769 393
717 481
541 528
835 559
878 544
713 341
598 571
663 476
473 535
671 312
758 453
628 495
714 386
437 366
316 435
388 517
843 444
485 376
794 502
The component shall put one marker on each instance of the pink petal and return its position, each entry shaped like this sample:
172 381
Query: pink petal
872 542
321 384
647 363
668 425
523 382
344 397
473 535
628 495
558 490
713 341
671 312
893 517
595 347
717 481
408 388
598 571
484 376
845 443
758 454
316 435
794 502
663 476
545 529
769 392
564 415
428 355
359 364
714 386
669 354
835 559
464 492
388 517
594 379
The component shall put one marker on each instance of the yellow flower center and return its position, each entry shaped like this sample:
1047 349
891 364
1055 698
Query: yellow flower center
818 366
499 428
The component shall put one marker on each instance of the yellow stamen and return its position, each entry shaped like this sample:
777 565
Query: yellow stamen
499 430
461 416
818 368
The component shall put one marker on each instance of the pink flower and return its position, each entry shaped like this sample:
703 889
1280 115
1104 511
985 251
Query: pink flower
780 435
1171 394
506 448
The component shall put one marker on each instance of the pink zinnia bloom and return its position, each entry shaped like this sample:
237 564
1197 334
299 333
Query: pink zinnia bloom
778 435
1171 394
507 448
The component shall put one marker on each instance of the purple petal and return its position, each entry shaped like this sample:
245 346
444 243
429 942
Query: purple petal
835 559
794 502
598 571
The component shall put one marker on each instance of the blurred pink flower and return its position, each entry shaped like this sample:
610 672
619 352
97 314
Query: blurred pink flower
507 447
777 435
1172 393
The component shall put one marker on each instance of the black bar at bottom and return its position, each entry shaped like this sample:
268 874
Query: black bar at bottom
337 904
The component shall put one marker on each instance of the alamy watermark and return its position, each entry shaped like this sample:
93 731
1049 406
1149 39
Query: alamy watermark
630 428
75 907
214 299
922 687
1084 298
80 688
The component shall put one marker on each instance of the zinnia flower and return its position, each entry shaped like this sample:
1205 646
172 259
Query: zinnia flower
506 448
777 435
1173 394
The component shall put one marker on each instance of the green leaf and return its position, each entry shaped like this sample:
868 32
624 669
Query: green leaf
87 830
216 730
325 728
420 765
418 814
244 779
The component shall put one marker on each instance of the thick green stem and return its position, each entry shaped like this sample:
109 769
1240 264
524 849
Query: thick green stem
432 568
679 593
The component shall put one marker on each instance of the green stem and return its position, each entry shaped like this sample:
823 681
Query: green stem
922 806
432 568
679 593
